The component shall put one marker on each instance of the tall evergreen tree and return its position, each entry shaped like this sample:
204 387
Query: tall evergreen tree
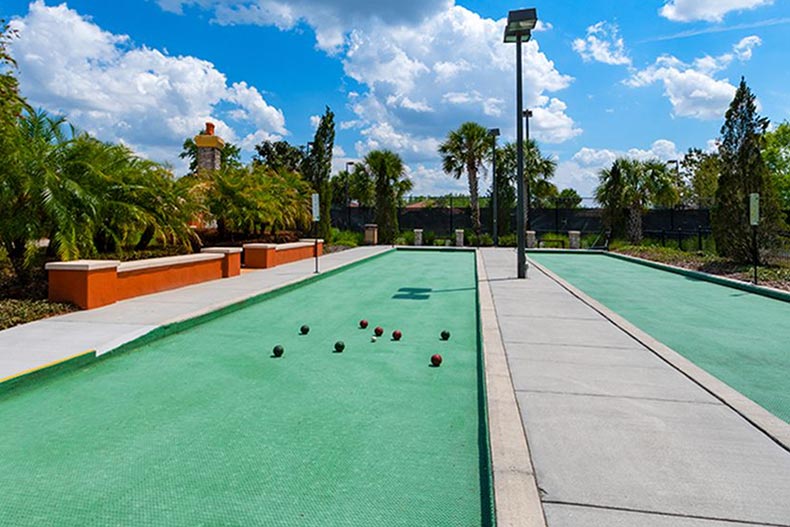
743 171
318 168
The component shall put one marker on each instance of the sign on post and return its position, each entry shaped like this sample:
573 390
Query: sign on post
754 209
316 208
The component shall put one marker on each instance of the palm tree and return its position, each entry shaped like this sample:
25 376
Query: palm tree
635 185
464 151
386 169
538 170
31 187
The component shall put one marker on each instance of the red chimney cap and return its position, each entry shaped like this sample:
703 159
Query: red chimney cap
209 128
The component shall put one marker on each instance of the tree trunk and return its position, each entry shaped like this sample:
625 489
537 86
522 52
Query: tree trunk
635 223
16 255
145 238
473 198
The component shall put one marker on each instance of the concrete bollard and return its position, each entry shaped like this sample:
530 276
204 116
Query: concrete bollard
575 239
371 234
418 237
532 240
459 237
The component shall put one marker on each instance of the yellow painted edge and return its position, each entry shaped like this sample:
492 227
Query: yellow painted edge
45 366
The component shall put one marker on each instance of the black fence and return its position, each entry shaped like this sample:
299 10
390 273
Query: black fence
443 221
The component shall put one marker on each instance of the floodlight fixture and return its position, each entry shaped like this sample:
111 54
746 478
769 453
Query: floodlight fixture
520 23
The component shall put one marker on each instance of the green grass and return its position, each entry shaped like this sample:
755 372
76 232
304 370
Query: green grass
204 428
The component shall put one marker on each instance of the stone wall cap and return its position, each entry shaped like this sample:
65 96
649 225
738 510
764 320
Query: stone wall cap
311 240
260 245
294 245
153 263
82 265
221 250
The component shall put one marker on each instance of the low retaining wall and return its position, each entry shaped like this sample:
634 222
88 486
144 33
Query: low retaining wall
95 283
267 255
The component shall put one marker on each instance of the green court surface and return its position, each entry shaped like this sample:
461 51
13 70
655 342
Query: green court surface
205 427
740 337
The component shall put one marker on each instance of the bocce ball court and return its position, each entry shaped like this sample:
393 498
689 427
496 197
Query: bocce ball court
204 426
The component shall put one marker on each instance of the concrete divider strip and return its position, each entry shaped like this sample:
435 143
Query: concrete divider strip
516 496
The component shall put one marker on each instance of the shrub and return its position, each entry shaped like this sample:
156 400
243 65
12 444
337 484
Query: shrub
346 238
15 312
508 240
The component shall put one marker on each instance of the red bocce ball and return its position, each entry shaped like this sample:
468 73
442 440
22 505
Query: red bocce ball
436 360
379 331
396 335
363 323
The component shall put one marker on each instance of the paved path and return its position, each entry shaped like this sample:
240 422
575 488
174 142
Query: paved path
618 436
39 343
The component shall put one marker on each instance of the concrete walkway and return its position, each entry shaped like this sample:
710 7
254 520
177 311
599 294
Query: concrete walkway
36 344
618 436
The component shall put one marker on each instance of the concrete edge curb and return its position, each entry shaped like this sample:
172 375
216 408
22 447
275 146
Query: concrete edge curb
776 429
516 495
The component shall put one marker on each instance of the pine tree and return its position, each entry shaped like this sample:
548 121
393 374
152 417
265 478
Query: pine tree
743 172
319 167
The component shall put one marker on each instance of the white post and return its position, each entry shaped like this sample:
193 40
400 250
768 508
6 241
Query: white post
418 237
532 240
459 237
575 239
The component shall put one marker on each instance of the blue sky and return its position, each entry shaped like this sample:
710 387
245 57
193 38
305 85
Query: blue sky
643 78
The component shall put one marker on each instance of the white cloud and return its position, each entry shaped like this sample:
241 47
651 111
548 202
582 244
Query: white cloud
708 10
118 91
432 181
331 19
691 88
581 171
743 49
421 83
603 43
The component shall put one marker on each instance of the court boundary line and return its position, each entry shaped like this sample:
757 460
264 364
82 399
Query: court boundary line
774 428
517 499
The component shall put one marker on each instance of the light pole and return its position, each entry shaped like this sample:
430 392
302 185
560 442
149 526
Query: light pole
494 133
527 115
520 24
349 164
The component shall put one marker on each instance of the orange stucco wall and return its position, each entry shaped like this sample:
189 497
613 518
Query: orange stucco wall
297 253
86 289
259 258
146 281
89 289
267 257
231 265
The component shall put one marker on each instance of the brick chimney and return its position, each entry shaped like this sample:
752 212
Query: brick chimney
209 149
